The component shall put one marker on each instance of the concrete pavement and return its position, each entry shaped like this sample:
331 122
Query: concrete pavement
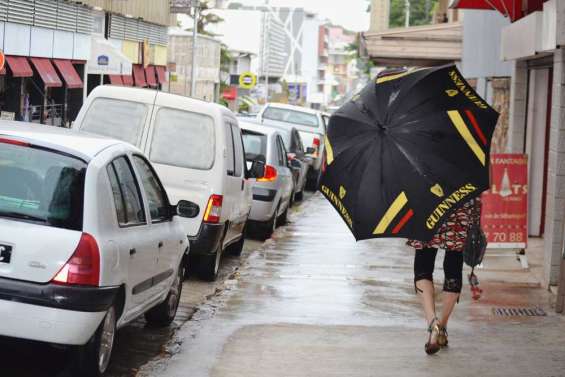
312 302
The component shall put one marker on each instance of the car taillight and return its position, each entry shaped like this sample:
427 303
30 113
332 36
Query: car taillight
270 174
213 209
14 142
83 268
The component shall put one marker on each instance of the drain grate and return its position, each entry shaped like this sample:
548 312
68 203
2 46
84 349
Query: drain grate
519 312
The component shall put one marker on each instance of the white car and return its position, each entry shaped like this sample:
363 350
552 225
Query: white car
311 124
197 150
88 240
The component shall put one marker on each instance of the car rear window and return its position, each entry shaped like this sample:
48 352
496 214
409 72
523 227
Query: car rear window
291 116
118 119
184 139
40 185
255 144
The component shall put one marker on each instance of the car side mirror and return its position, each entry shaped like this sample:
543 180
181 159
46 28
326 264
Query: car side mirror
187 209
310 150
257 169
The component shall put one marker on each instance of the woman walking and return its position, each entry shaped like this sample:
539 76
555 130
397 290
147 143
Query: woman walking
451 236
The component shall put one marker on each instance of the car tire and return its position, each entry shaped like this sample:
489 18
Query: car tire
283 218
209 265
93 358
236 249
313 180
163 314
268 228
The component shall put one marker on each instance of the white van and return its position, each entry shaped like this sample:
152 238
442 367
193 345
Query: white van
197 150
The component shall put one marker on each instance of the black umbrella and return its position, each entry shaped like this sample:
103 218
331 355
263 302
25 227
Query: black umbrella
406 152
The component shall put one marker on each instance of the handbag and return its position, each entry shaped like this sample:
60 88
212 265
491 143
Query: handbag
476 243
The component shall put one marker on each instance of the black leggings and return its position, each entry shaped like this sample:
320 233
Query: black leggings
424 262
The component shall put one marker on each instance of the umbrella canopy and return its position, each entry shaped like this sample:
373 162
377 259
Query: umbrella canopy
406 152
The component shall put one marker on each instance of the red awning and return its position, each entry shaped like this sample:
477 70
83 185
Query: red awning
47 72
150 76
69 73
139 76
509 8
19 66
127 80
116 80
161 74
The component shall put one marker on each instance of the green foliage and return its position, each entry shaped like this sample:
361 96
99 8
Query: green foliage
225 59
205 17
421 12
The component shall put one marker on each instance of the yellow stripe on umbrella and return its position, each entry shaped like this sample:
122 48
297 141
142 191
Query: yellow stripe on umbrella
329 151
382 79
463 130
391 213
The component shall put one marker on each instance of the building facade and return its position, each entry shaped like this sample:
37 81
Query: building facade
46 44
208 65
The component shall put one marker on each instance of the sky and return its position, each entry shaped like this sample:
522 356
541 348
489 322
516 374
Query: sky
351 14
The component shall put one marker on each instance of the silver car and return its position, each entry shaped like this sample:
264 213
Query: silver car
272 194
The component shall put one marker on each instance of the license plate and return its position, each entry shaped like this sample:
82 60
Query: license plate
5 253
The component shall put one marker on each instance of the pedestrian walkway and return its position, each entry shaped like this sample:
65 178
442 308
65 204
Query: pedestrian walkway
312 302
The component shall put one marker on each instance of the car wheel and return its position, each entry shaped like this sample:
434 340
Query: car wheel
94 357
209 265
237 248
283 218
164 313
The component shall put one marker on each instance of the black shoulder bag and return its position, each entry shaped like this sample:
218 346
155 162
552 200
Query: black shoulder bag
476 243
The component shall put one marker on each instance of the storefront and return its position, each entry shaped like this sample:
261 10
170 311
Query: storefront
45 50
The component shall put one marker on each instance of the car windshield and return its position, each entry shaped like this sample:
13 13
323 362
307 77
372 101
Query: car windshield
255 145
291 116
118 119
41 185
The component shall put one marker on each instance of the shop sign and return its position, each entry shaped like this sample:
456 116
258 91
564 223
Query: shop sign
103 60
505 206
173 77
247 80
2 60
230 93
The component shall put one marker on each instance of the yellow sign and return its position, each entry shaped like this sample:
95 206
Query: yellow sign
247 80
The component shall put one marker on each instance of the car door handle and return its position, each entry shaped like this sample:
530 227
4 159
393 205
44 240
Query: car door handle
132 251
160 244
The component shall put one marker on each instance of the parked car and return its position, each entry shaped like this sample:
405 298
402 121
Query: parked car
197 150
312 127
88 241
272 194
300 162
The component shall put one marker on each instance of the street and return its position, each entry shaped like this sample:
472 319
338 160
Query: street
312 302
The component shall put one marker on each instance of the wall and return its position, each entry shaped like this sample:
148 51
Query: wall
481 45
156 11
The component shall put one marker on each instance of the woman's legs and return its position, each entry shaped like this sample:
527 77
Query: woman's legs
424 261
453 269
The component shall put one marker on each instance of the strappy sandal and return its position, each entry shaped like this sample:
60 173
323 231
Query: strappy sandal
433 329
442 337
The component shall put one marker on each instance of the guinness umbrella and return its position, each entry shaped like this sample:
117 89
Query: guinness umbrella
406 152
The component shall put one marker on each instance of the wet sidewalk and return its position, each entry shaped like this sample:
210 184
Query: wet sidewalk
312 302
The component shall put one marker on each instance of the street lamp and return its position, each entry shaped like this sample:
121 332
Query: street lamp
184 6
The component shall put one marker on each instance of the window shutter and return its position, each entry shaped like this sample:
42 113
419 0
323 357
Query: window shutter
20 11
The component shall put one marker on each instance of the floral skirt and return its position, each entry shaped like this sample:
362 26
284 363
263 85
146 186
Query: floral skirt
452 233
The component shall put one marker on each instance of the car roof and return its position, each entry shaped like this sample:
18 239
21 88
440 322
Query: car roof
153 96
292 107
257 127
80 144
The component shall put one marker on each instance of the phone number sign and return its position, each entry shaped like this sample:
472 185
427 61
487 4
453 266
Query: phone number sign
505 206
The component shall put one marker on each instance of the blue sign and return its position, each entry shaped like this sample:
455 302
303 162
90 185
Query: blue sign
103 60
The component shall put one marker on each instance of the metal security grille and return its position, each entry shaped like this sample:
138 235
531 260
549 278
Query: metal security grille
3 10
21 11
137 30
519 312
51 14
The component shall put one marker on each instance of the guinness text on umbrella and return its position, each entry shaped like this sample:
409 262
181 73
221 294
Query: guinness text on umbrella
448 203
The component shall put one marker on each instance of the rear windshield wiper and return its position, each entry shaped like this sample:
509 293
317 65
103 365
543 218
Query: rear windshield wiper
23 216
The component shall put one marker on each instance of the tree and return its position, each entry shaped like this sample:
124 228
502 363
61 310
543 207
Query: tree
421 12
205 17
